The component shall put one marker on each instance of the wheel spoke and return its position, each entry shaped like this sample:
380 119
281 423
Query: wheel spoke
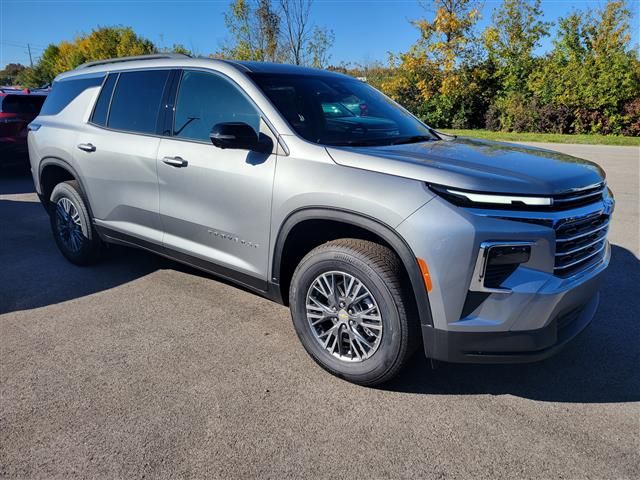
69 224
344 326
375 326
76 218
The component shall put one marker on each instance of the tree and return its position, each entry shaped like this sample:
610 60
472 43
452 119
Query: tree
592 72
303 42
449 37
435 79
177 48
43 72
9 74
516 31
318 47
254 28
283 32
296 31
101 43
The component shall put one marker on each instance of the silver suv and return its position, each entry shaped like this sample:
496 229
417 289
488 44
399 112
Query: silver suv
315 190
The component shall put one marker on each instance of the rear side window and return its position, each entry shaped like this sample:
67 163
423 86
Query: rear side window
64 91
22 104
136 101
101 109
206 99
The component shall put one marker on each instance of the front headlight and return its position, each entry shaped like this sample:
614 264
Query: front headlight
466 198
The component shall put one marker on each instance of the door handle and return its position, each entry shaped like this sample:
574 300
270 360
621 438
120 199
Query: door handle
87 147
175 161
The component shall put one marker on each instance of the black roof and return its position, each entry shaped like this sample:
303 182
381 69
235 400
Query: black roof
280 68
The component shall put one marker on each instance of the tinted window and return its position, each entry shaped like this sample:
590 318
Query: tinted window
335 110
136 101
205 99
23 104
102 105
64 91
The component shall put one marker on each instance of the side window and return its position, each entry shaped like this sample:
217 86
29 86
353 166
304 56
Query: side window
64 91
205 99
101 109
136 101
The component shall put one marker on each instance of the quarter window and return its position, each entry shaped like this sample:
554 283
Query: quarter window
64 92
206 99
102 105
136 101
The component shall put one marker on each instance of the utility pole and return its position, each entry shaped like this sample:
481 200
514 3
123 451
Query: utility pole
30 59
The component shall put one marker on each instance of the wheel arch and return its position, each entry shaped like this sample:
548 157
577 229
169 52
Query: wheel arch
54 170
349 223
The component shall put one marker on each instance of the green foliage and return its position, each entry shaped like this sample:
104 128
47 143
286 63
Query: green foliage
590 139
10 73
591 70
588 83
510 41
104 42
452 76
276 32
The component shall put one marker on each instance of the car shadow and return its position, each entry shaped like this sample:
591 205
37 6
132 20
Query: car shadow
16 179
34 274
600 366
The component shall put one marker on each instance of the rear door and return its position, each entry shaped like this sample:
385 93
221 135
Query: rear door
216 205
118 148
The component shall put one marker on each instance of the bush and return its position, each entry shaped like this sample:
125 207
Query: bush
554 119
492 119
631 118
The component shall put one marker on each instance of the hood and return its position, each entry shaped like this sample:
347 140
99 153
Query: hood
480 165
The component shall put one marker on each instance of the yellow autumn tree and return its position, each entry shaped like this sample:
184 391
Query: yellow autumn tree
431 78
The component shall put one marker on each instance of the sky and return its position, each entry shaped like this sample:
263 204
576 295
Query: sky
365 30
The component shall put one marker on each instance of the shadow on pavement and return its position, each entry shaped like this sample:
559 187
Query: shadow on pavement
34 274
16 179
600 366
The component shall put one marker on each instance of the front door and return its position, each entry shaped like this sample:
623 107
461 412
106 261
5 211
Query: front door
215 204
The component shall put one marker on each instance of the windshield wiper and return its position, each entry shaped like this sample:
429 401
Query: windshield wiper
412 139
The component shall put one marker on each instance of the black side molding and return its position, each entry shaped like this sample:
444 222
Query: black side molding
254 284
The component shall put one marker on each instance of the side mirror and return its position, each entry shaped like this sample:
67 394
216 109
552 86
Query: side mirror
237 135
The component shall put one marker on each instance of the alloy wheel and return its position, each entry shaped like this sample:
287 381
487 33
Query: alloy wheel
69 225
344 316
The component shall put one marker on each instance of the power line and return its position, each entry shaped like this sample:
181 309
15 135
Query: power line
21 45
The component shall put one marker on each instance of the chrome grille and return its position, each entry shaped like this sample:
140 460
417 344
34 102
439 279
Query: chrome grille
580 243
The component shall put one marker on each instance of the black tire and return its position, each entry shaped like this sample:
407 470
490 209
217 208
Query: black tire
86 247
380 271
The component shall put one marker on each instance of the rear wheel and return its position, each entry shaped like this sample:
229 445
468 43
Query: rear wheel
71 224
349 310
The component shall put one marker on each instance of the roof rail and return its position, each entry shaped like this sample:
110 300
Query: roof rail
132 59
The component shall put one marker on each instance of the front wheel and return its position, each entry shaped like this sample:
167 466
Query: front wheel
350 310
71 224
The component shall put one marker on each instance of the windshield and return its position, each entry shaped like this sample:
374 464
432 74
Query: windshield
332 110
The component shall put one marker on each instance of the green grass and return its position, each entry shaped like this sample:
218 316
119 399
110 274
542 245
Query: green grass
547 137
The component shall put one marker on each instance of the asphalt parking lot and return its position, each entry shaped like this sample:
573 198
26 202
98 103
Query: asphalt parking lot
139 367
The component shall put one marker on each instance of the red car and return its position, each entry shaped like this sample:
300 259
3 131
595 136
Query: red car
17 109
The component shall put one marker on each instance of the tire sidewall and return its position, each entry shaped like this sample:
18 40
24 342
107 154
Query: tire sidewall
385 356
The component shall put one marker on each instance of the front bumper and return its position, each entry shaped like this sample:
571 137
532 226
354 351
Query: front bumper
530 318
510 346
